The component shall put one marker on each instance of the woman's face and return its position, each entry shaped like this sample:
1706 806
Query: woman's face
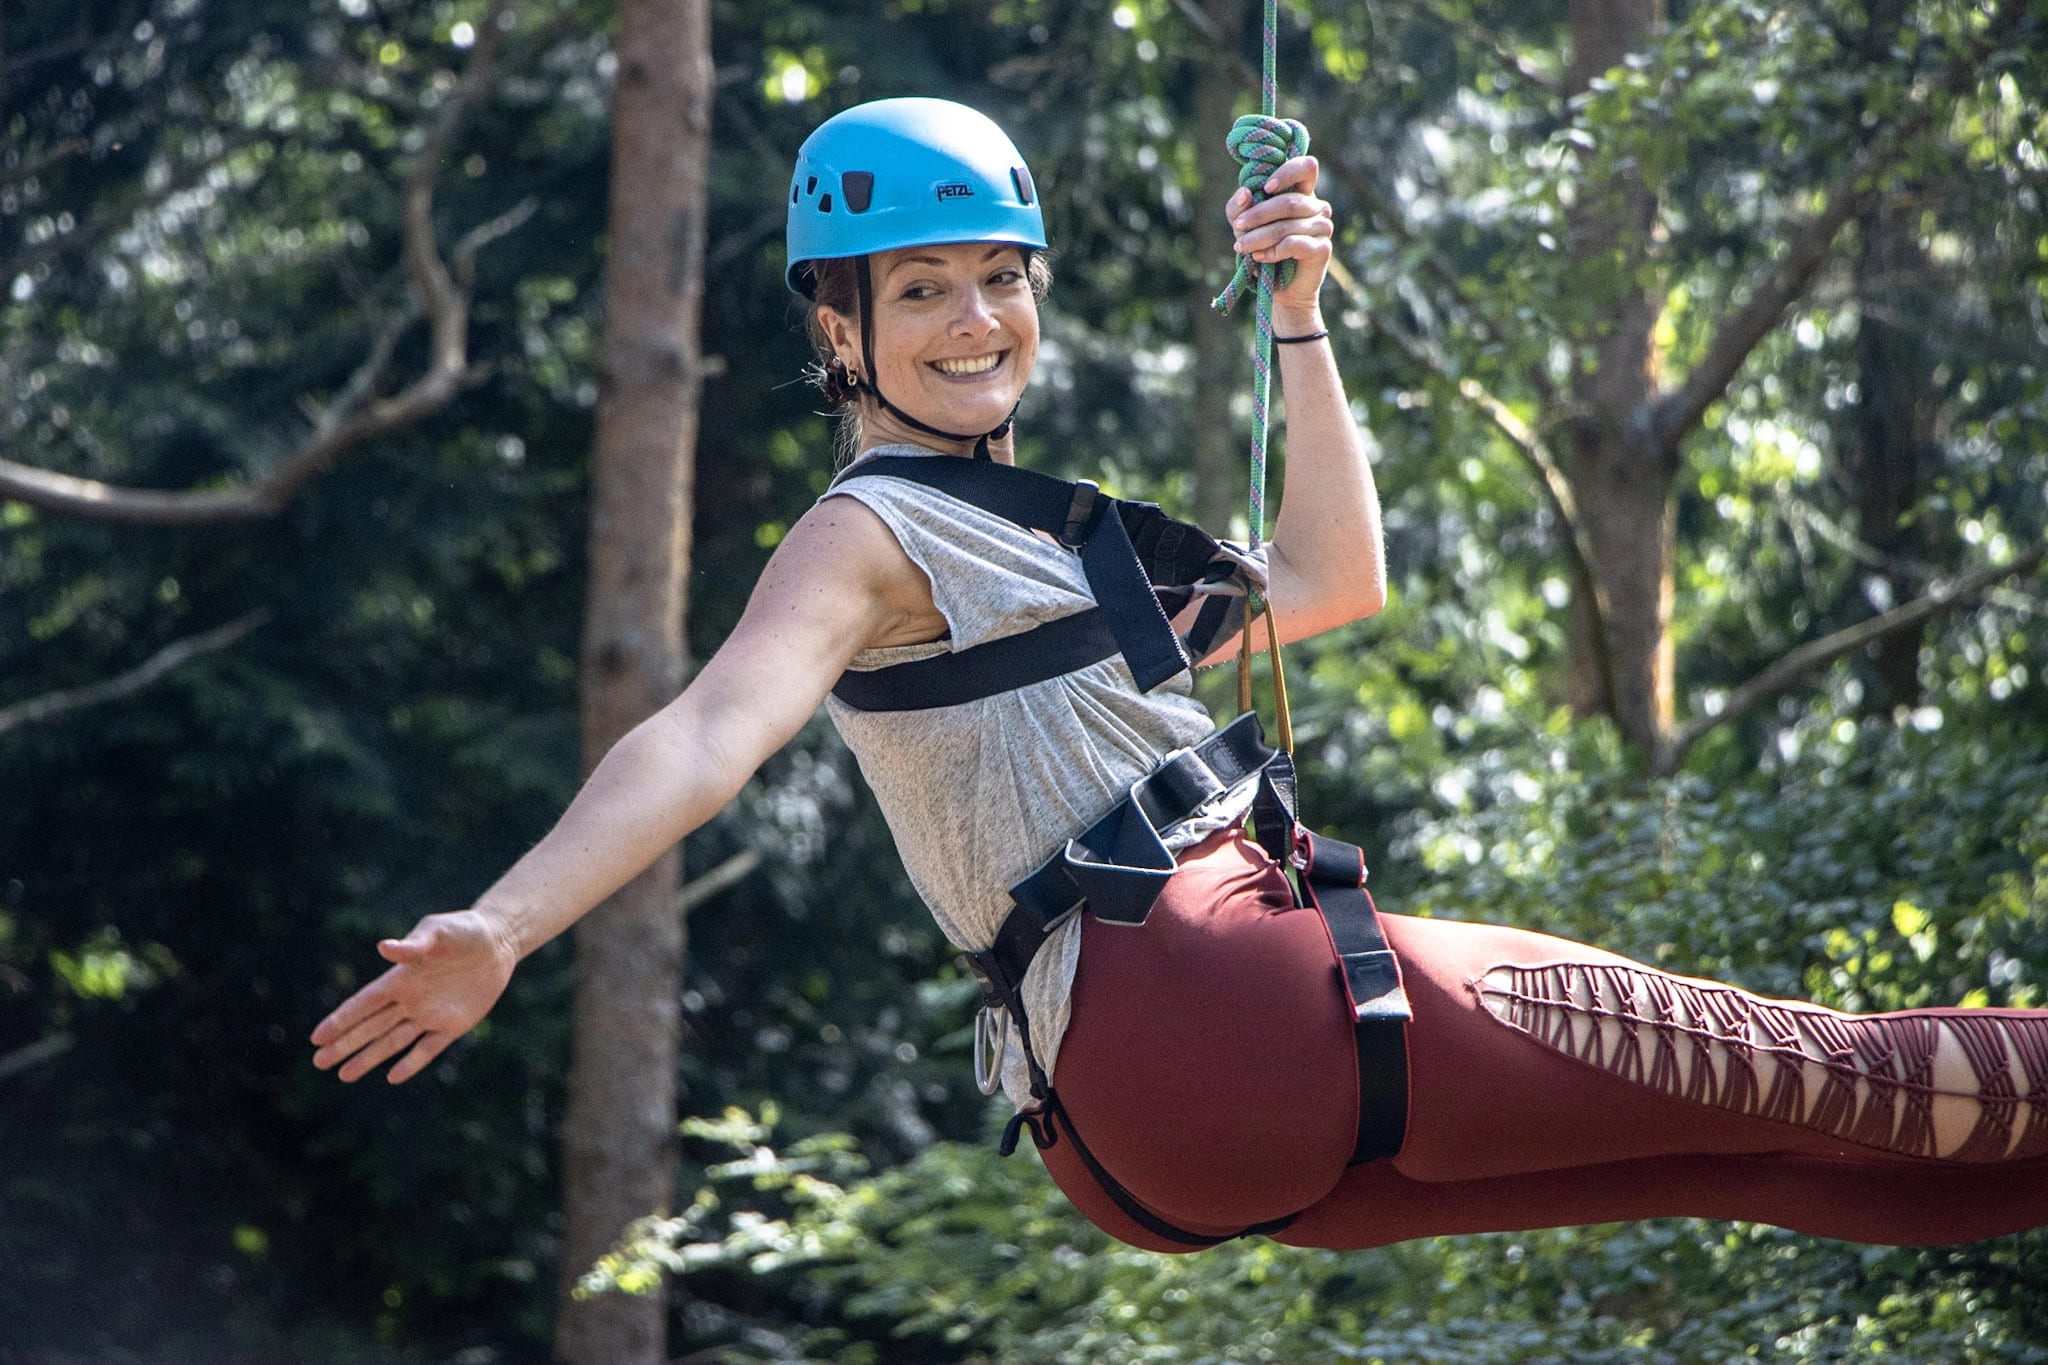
955 336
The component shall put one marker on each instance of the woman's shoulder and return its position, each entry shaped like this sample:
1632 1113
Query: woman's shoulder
884 480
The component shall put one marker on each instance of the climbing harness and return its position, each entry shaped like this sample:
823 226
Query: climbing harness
1144 568
1117 868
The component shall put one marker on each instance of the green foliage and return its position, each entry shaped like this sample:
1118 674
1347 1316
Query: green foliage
199 211
960 1255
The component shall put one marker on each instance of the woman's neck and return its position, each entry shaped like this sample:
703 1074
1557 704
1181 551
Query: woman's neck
878 428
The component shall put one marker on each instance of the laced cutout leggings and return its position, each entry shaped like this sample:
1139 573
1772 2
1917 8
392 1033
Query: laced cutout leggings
1965 1085
1208 1066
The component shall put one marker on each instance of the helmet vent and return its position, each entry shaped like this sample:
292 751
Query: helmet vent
825 203
811 185
792 192
1021 178
858 188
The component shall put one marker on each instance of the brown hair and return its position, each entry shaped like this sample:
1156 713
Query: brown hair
838 288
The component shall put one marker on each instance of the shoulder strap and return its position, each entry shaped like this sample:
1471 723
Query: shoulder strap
1082 519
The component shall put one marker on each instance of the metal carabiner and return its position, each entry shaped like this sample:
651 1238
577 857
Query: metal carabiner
991 1041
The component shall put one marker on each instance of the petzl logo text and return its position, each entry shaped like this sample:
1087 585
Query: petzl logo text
956 190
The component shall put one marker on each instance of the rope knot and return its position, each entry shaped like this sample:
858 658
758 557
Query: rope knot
1261 144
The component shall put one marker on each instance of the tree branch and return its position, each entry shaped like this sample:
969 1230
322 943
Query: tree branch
1479 35
62 151
1527 443
1392 219
697 890
1678 412
41 1050
91 230
1814 655
53 704
440 294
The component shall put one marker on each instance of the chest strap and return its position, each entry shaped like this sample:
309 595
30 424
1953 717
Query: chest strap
1142 566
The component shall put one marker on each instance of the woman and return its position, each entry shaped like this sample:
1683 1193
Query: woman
1193 1064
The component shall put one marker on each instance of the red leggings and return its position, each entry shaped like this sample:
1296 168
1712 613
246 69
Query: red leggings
1209 1066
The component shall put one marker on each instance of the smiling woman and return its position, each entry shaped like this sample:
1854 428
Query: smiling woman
914 286
1241 1042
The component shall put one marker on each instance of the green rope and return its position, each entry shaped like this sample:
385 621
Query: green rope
1261 142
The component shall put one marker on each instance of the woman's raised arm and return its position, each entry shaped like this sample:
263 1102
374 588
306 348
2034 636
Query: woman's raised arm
1327 563
837 582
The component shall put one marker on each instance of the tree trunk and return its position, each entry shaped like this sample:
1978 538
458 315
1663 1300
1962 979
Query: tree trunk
1891 453
618 1157
1893 450
1621 480
1215 454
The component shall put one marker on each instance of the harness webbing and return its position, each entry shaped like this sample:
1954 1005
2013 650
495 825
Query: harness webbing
1142 567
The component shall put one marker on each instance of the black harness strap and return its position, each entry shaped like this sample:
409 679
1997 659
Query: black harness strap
1058 647
1141 565
1113 866
1132 1208
1333 881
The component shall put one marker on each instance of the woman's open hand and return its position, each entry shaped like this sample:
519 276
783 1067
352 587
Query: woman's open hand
448 973
1291 224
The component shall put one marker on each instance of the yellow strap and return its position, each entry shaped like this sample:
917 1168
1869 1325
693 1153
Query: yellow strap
1244 670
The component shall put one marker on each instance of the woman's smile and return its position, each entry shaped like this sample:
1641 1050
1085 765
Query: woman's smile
970 369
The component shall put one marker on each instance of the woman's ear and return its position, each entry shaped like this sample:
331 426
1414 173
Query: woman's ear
844 337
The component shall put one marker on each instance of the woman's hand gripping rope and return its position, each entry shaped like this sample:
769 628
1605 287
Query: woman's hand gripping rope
1290 224
447 974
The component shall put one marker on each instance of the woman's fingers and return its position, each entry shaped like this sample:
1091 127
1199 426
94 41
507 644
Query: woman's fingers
381 1050
357 1034
429 1046
1292 226
355 1009
1295 173
1280 209
1261 243
445 976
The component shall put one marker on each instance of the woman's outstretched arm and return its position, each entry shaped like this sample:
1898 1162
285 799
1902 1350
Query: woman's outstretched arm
838 582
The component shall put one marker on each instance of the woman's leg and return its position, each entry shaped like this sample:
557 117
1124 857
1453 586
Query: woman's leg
1554 1084
1209 1066
1531 1053
1900 1203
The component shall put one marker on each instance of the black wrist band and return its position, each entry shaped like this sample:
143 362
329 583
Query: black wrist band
1295 341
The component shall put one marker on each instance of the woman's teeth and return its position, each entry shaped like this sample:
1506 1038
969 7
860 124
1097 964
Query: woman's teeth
964 367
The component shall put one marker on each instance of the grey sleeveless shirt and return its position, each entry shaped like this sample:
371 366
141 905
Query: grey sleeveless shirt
979 794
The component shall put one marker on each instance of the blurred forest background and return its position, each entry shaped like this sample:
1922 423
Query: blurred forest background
1703 344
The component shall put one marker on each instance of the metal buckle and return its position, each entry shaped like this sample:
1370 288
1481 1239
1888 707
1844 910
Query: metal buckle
991 1041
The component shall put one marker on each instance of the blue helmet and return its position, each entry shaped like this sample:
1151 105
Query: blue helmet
906 172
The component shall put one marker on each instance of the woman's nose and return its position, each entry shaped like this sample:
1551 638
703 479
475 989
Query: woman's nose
977 316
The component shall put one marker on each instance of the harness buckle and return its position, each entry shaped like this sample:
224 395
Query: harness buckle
1080 513
991 1041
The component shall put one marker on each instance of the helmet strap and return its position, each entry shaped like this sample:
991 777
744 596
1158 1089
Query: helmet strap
866 383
